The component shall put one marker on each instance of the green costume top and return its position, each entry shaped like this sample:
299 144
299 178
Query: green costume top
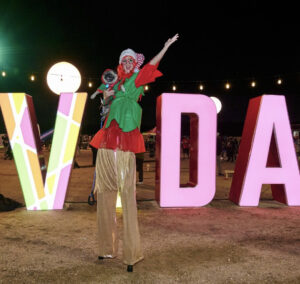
124 108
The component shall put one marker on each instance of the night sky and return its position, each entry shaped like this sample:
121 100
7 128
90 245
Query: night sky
234 40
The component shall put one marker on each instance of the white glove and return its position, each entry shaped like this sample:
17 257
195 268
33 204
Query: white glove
94 95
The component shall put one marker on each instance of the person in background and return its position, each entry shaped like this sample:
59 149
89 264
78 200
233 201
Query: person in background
94 152
229 150
185 147
297 146
139 167
219 154
151 145
235 148
8 152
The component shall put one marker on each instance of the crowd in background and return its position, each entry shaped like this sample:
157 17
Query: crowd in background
150 145
229 146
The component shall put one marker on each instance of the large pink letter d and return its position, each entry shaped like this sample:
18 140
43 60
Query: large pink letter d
201 188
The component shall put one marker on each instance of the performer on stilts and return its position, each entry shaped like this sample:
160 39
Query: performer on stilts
117 143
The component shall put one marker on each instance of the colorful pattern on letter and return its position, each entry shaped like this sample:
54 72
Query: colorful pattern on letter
18 121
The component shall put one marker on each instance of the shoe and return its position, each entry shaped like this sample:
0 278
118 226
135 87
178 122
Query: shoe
105 257
130 268
220 174
139 182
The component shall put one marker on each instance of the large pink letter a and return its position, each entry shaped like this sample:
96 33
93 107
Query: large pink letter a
266 155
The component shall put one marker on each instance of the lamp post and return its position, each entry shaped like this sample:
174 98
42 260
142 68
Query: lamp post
63 77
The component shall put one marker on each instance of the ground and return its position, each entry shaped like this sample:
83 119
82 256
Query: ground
218 243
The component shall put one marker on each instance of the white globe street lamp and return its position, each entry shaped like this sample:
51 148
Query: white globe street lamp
217 103
63 77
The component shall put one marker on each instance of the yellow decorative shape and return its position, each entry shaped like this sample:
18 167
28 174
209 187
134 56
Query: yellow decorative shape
18 101
36 172
71 143
7 114
79 106
50 182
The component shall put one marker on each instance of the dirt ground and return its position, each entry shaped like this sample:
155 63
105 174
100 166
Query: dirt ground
218 243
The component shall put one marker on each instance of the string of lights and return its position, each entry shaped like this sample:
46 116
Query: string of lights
92 81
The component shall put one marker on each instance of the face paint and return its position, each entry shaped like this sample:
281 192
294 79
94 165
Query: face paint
128 64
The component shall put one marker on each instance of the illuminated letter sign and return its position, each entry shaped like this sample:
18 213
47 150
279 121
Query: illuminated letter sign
40 191
266 155
201 110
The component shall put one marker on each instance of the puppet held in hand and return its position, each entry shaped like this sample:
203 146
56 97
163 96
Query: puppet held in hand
109 78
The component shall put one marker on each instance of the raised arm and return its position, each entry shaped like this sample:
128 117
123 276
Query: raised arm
161 54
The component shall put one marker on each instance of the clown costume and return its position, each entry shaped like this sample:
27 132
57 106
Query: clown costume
117 143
